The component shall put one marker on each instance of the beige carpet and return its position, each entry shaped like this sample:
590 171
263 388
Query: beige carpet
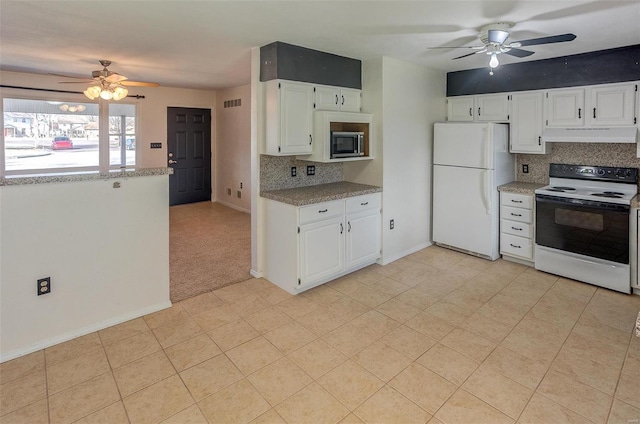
209 248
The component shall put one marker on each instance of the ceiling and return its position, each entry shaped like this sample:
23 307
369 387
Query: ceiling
206 44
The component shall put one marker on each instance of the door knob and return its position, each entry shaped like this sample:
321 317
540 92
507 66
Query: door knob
171 161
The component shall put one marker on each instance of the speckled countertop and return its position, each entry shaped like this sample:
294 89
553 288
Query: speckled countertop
319 193
520 187
81 176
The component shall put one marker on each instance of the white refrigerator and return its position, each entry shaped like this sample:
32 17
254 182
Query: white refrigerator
470 161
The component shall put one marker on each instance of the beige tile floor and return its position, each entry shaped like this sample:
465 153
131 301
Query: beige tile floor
436 337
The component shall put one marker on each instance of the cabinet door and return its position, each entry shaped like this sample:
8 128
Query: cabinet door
349 100
492 108
296 118
327 98
460 108
321 250
363 238
611 105
565 108
526 123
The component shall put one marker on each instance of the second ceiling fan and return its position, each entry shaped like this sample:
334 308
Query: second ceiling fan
494 38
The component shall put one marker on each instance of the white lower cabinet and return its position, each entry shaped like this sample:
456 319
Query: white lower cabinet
517 228
309 245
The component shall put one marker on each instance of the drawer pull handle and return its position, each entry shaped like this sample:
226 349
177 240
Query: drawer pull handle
323 211
341 228
364 204
516 228
516 214
516 201
513 245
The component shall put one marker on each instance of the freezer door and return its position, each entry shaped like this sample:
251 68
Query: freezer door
465 209
463 144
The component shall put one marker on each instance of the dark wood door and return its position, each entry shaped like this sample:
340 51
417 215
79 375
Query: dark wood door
189 151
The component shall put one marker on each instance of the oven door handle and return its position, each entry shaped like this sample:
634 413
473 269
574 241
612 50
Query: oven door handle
486 191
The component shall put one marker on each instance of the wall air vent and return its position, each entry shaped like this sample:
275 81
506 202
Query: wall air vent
232 103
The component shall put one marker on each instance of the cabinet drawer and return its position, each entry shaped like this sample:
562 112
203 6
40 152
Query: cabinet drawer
361 203
516 214
516 246
516 228
320 211
517 200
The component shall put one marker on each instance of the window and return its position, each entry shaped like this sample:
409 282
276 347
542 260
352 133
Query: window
122 134
42 136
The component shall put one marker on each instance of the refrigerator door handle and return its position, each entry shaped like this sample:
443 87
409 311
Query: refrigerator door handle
486 191
487 134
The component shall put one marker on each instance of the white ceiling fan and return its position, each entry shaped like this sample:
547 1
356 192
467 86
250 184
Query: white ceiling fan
107 84
494 39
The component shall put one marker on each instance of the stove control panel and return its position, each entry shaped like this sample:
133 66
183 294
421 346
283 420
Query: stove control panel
600 173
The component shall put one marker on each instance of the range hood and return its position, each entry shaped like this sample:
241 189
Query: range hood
591 135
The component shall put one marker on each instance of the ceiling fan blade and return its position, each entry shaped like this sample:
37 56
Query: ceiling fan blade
76 82
518 52
548 40
455 47
466 55
139 84
497 36
113 77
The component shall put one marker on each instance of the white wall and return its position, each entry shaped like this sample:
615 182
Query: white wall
106 250
406 99
232 156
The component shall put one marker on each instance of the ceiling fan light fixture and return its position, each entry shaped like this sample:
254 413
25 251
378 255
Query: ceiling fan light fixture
119 93
92 92
106 94
493 63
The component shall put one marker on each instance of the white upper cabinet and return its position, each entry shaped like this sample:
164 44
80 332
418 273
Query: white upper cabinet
565 108
596 106
288 118
492 108
526 124
337 99
611 105
484 108
460 109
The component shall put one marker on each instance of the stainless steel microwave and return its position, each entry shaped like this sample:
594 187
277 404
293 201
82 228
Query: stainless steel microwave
347 144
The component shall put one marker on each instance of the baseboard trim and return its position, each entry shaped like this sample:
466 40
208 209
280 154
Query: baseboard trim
6 356
256 274
232 206
385 261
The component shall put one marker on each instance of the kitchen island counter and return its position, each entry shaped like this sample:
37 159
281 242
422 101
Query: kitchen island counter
302 196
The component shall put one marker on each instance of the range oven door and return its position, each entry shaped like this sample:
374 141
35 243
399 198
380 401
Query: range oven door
589 228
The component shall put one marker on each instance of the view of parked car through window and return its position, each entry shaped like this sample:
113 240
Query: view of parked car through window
42 135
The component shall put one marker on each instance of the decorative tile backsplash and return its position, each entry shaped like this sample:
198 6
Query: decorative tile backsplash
594 154
275 173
